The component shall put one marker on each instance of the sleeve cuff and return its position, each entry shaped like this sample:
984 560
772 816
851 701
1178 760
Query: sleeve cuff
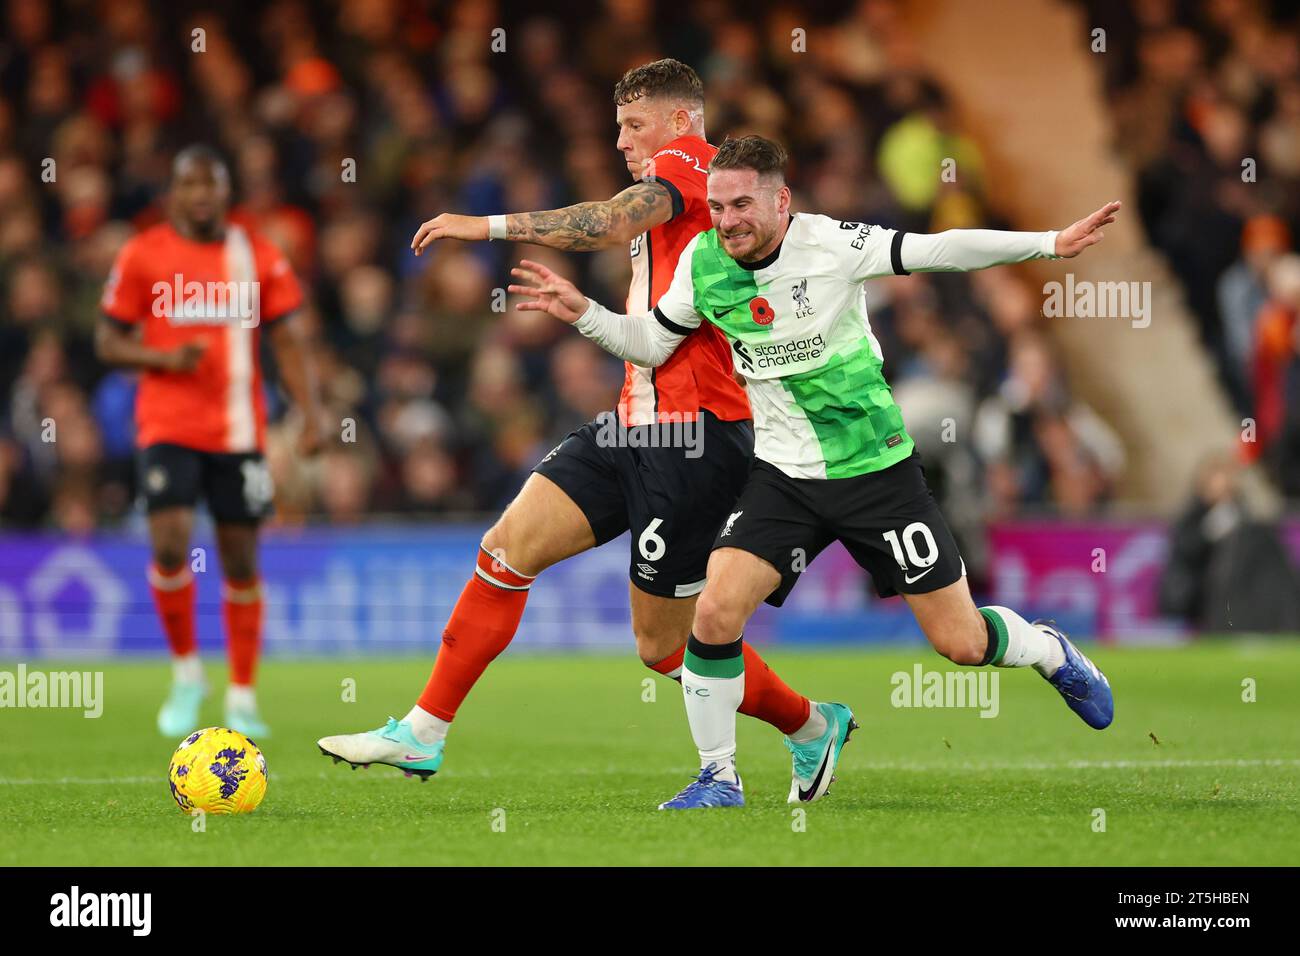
896 254
679 204
587 321
1049 244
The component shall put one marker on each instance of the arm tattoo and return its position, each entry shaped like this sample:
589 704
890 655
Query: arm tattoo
595 225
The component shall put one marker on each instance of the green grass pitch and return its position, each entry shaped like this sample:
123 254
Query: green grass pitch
566 753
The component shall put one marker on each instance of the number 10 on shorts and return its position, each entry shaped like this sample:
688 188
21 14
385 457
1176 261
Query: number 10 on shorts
915 530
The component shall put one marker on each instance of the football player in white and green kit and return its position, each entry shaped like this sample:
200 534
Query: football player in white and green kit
833 459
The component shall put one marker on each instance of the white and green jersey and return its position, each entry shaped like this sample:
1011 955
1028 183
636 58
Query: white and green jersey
799 333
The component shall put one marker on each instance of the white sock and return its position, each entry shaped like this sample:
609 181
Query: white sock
718 670
1026 645
812 728
427 728
240 697
187 669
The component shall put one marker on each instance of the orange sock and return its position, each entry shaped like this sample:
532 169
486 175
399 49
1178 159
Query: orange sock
671 666
173 596
241 606
767 697
482 624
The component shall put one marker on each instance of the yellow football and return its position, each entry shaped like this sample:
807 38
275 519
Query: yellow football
217 770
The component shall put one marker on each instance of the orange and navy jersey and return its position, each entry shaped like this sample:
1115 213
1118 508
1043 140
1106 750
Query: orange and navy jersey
699 373
181 290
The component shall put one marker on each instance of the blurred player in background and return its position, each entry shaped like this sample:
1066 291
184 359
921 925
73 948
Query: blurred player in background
590 490
185 304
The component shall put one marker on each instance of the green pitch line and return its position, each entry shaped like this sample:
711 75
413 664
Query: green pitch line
564 751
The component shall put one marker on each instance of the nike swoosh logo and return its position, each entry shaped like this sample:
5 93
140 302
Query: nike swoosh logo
806 795
416 757
721 313
912 580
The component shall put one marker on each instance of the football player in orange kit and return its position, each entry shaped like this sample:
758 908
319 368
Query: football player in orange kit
668 468
185 305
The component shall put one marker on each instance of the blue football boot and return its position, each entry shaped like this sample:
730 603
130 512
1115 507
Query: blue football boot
1084 687
708 791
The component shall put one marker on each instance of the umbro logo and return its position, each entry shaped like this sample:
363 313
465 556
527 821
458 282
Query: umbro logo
648 571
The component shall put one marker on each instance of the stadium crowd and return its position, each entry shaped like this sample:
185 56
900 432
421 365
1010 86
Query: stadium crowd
451 397
1206 103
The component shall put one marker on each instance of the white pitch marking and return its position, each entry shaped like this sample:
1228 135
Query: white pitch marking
878 766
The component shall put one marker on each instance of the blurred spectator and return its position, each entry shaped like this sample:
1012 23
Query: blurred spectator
1041 446
914 151
1226 572
1276 375
1242 293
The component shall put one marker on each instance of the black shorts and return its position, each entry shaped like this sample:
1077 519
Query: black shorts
237 487
887 520
671 484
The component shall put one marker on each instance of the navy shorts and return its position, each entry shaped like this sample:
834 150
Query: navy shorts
672 485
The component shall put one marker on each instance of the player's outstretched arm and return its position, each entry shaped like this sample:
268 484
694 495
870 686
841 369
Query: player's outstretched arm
964 250
579 228
640 339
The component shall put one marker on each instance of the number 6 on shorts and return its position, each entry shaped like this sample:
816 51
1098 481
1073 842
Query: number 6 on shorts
651 546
